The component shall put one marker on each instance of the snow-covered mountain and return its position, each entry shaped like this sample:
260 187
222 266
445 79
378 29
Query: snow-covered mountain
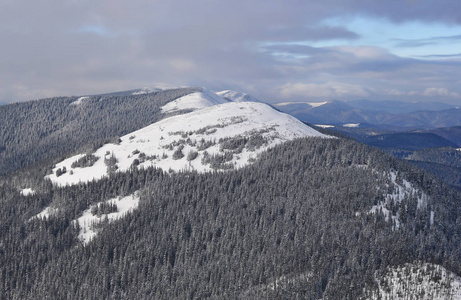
225 130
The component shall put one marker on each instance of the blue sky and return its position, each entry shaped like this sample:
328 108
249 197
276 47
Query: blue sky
294 50
414 39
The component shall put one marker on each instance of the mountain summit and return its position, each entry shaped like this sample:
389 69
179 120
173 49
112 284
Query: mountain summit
209 132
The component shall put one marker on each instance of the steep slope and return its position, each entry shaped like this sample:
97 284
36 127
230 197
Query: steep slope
223 135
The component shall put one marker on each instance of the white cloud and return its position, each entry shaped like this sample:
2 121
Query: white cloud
321 90
182 64
429 92
85 47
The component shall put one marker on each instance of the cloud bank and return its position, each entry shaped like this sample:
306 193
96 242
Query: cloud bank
275 50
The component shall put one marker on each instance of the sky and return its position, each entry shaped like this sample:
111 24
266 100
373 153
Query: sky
275 50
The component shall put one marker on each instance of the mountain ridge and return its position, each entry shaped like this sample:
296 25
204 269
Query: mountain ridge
338 113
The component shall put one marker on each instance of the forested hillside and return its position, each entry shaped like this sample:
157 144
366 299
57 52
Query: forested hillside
437 154
443 162
49 128
309 219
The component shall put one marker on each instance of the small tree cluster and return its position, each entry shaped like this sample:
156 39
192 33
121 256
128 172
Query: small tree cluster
86 161
104 209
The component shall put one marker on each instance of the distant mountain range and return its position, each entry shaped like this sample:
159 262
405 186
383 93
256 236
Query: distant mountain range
390 115
426 134
399 107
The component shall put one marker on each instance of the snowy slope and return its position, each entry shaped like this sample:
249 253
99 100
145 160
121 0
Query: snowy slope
218 135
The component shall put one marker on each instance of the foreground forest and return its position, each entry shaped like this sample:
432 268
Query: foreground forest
295 224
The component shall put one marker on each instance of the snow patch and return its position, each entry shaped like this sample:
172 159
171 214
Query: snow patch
418 281
317 104
79 101
325 126
225 136
351 125
90 222
45 213
27 192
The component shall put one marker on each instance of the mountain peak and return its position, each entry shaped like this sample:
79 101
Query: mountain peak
216 135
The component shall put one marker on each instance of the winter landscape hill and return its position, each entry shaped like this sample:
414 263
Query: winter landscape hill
185 193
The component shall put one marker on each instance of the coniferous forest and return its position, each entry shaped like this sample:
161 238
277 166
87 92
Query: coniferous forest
296 224
293 225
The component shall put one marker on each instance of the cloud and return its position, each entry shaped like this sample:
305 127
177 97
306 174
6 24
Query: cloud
427 41
302 33
429 92
274 49
97 30
321 90
455 55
